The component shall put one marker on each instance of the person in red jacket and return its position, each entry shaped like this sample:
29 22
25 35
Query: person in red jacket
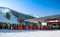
4 26
21 27
30 26
37 27
24 27
14 27
49 27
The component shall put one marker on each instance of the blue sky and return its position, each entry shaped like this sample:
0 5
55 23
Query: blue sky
38 8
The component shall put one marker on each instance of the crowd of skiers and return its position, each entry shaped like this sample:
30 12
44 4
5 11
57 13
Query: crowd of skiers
24 27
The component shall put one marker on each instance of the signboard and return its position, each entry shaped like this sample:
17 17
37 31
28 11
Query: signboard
52 21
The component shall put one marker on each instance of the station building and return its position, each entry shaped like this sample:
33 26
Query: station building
53 20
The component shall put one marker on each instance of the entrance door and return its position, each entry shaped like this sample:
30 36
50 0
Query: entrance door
55 26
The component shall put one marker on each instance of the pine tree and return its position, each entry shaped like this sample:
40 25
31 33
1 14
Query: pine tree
8 15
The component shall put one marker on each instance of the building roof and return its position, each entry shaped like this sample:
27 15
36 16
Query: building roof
42 19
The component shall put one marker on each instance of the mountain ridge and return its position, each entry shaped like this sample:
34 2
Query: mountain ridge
11 16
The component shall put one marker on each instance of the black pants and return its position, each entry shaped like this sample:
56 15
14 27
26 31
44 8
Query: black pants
0 27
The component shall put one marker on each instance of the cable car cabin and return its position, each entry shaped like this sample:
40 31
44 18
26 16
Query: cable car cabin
55 24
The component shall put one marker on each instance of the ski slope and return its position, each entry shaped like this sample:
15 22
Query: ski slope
37 33
13 19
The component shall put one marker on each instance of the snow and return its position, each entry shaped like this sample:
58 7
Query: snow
4 10
37 33
23 33
13 19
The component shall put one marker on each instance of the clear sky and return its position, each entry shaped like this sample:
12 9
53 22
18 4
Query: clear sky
38 8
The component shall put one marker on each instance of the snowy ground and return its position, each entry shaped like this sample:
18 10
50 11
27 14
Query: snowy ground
31 34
